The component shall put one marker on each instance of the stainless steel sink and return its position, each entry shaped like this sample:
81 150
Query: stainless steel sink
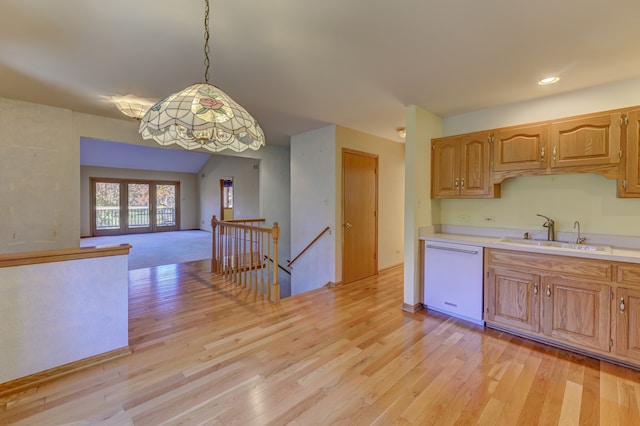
557 244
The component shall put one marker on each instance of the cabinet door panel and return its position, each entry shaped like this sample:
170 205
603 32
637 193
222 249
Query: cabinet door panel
632 168
522 148
513 300
474 165
587 141
445 167
627 307
577 312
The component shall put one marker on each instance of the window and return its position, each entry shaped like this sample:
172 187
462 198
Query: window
121 206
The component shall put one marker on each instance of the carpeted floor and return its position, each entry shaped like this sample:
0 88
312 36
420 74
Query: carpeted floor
160 248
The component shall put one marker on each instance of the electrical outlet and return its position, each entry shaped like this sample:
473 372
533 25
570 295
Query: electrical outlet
489 219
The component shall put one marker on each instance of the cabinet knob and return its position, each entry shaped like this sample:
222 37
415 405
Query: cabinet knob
348 225
535 288
457 183
548 291
542 154
462 183
554 153
622 304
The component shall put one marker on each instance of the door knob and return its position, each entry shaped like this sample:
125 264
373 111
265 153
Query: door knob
348 225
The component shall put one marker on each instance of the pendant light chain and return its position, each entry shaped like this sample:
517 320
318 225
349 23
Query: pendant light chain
206 42
202 116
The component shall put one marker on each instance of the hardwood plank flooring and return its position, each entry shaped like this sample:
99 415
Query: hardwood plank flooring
206 353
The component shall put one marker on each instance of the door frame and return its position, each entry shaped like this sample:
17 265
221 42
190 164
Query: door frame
342 207
222 198
124 216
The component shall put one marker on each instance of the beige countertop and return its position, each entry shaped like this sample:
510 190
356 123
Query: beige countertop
610 253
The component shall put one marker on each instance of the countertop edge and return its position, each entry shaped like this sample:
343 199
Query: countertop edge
616 255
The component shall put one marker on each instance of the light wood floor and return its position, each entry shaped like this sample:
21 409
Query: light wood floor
207 354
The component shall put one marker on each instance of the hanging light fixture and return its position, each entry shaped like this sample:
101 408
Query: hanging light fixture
132 106
202 116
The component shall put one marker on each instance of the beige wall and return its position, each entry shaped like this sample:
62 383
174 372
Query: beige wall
39 185
313 207
189 198
589 198
391 188
419 209
246 187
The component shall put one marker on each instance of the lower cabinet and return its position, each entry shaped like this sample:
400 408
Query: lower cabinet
627 309
590 305
577 312
512 300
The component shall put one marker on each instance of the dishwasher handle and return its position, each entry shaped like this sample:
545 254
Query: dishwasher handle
452 249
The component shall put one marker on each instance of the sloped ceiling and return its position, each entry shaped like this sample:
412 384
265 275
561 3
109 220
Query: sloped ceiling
94 152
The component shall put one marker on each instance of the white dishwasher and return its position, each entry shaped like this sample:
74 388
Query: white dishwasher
453 279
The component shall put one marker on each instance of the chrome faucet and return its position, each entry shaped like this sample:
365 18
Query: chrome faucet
550 224
579 239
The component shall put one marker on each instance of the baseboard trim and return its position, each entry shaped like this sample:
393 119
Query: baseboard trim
331 284
412 309
388 268
23 383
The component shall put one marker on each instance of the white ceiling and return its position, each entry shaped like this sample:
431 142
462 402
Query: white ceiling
298 65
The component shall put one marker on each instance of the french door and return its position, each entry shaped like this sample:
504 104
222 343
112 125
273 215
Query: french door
122 206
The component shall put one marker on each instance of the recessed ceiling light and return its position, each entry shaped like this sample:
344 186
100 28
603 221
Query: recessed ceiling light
548 80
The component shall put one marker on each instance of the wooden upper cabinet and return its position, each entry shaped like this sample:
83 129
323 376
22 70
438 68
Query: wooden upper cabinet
520 148
445 167
475 165
460 167
588 141
632 159
606 143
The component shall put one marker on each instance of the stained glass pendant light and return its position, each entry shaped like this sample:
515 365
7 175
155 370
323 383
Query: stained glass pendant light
202 116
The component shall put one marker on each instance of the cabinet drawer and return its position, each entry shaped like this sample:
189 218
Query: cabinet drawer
628 274
593 269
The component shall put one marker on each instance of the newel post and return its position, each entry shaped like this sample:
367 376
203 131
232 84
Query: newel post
214 257
275 285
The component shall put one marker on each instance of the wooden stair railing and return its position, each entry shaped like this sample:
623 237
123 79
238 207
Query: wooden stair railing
290 262
279 265
239 252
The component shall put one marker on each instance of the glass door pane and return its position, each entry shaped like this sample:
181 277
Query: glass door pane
107 199
166 212
138 207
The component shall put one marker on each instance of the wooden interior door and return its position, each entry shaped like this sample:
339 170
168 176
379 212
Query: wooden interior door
359 215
